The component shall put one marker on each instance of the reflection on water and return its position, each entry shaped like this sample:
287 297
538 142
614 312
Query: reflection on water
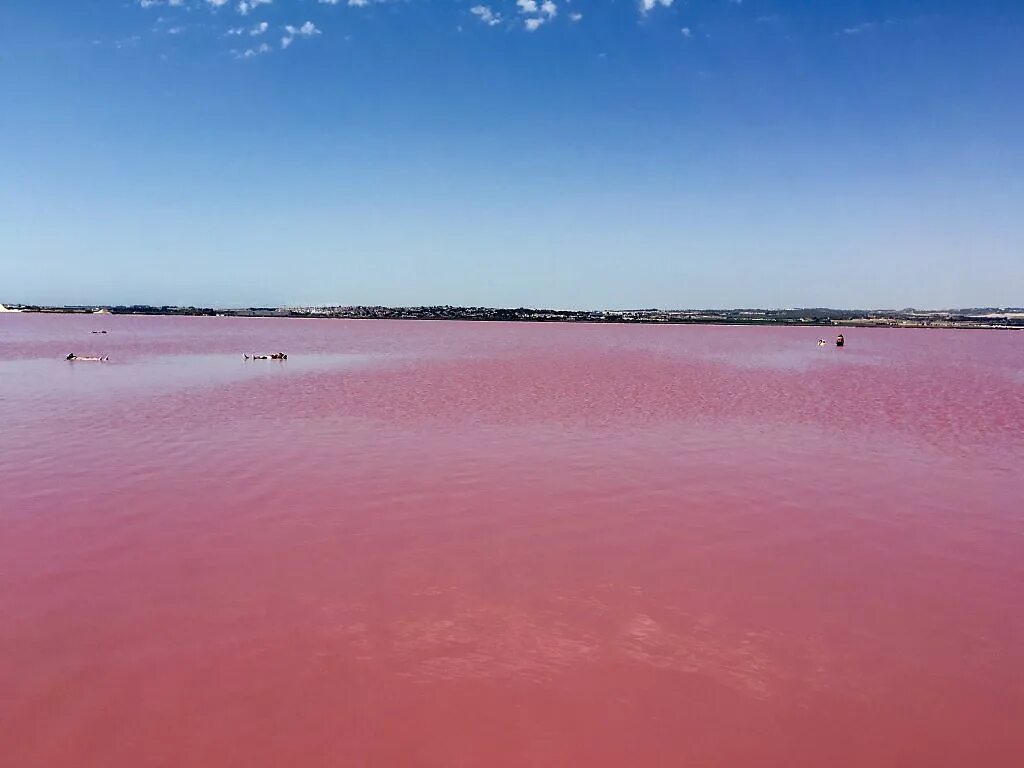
489 544
793 358
148 375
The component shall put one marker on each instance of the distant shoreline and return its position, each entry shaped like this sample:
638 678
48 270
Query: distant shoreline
991 318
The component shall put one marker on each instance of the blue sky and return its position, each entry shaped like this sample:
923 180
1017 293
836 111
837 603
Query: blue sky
574 153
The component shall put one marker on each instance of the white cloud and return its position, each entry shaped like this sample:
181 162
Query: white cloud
485 14
646 6
249 53
244 6
531 7
308 29
533 13
867 26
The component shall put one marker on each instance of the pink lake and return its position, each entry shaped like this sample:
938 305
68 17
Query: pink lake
445 544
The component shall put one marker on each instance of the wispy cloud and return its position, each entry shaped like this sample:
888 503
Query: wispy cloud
244 6
482 12
538 13
525 15
250 53
308 29
859 29
881 25
646 6
254 31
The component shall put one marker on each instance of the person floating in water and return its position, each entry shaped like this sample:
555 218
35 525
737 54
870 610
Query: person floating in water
272 356
91 358
840 340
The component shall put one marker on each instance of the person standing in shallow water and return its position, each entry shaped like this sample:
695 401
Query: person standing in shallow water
840 341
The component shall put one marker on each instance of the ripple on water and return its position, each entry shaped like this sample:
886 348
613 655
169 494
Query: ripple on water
497 544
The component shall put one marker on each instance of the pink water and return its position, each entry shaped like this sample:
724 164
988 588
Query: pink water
442 544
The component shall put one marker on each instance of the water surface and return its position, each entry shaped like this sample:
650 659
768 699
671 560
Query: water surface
443 544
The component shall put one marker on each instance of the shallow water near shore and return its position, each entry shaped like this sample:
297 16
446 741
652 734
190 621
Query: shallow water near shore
441 544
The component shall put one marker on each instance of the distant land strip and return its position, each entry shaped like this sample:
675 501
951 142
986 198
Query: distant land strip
977 317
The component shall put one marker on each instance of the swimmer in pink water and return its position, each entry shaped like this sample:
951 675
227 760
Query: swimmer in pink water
88 358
